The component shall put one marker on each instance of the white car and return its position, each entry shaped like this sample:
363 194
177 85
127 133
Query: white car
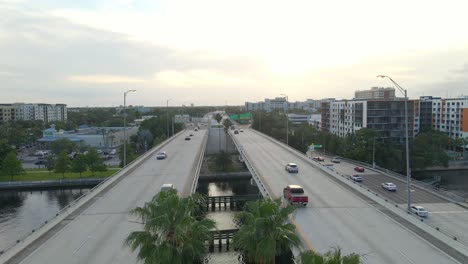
161 155
389 186
419 210
167 187
356 178
336 160
291 168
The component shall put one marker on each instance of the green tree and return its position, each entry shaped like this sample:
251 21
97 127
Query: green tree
130 154
227 123
223 160
79 164
5 149
94 162
11 166
63 144
331 257
264 231
218 118
172 231
50 163
62 164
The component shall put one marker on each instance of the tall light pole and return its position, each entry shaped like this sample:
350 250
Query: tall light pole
373 154
167 116
125 127
408 173
287 120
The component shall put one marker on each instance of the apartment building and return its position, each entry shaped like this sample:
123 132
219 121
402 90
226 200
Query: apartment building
280 103
377 93
23 111
387 117
450 116
7 112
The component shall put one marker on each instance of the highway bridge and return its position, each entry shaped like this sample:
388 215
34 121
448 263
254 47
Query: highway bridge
339 213
96 231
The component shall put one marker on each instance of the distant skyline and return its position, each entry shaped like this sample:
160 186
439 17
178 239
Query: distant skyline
209 52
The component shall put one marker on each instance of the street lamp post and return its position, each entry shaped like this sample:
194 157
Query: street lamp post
167 116
373 154
125 127
408 173
287 121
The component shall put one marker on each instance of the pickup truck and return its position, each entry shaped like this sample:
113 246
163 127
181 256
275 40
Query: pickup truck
295 195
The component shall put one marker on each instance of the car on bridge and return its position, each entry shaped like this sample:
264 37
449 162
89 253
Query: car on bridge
187 138
359 169
236 131
161 155
318 158
291 168
389 186
336 160
294 194
356 178
167 187
419 210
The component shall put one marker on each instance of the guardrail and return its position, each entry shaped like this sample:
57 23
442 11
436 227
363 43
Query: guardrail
442 235
21 243
261 186
193 188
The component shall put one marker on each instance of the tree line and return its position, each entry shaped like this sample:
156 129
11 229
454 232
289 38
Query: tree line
427 149
62 162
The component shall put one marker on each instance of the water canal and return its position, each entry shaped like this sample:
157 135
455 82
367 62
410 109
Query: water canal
20 212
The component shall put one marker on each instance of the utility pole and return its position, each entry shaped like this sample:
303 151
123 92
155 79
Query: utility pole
287 120
125 127
408 173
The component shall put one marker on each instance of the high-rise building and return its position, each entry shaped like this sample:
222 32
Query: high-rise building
280 103
387 117
44 112
377 93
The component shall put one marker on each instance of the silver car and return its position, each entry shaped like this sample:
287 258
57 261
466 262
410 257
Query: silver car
291 168
419 210
389 186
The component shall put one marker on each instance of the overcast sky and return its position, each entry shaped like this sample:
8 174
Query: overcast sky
213 52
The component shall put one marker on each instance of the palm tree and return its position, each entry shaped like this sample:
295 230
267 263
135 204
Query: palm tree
331 257
264 231
173 232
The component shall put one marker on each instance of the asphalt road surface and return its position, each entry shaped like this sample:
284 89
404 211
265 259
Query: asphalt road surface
336 216
449 217
97 235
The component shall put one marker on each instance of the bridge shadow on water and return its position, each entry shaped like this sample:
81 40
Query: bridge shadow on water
224 199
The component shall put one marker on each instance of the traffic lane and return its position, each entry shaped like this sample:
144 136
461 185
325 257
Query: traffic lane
265 155
327 196
98 234
421 195
449 219
418 195
377 238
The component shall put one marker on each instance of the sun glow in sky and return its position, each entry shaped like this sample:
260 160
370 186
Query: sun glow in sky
210 51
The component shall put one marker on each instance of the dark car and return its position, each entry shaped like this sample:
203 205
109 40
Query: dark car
187 138
359 169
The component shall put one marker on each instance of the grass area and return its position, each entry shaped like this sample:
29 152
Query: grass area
41 175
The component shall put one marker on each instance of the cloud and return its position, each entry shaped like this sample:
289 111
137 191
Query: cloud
100 79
